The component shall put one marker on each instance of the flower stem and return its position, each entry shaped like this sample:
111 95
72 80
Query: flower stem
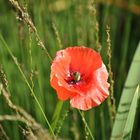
56 115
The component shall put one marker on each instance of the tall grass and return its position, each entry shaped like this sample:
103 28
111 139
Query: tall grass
55 25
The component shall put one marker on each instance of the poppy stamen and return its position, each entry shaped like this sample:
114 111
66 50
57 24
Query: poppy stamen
74 78
77 76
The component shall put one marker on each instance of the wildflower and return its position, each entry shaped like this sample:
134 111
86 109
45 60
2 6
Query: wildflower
78 74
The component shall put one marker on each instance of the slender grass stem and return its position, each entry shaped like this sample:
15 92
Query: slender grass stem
111 100
26 18
102 123
26 81
57 35
95 24
86 125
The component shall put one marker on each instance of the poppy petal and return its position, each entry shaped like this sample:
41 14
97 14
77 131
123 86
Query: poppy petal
63 93
100 79
60 69
84 60
60 65
91 88
96 95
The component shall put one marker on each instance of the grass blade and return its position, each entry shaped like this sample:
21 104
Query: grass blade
132 81
131 116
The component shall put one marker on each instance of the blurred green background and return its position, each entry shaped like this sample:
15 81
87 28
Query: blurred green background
75 22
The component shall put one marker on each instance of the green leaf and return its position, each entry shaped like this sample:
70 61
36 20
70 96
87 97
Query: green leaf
0 88
123 113
131 116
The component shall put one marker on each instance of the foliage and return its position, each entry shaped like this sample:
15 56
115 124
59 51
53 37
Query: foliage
32 32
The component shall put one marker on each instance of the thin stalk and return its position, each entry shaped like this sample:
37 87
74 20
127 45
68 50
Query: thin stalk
102 124
111 100
26 19
86 125
94 24
56 114
57 35
26 81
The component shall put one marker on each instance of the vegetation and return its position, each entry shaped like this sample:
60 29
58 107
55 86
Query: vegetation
31 32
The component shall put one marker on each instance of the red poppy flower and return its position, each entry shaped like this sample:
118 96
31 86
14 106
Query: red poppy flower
78 73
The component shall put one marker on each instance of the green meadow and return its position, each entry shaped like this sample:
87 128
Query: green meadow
31 32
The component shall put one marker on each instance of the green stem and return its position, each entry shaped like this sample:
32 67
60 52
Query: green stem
86 125
56 115
102 123
24 77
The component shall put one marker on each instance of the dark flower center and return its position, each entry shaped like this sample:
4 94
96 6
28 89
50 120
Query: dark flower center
74 78
77 76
